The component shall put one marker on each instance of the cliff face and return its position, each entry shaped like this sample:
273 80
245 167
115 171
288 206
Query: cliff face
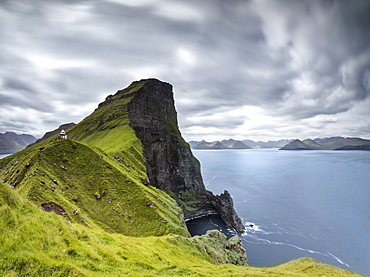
170 163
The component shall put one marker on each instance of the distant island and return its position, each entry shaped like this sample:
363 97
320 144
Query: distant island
332 143
238 144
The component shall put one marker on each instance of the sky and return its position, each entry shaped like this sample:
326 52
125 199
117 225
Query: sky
242 69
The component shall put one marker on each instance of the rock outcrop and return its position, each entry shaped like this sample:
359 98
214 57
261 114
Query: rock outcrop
170 163
224 251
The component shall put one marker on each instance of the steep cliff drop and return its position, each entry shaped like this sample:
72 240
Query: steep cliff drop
170 163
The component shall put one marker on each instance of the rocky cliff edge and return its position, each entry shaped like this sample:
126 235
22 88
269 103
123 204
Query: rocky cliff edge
170 164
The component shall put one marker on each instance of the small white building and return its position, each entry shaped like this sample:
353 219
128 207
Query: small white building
62 135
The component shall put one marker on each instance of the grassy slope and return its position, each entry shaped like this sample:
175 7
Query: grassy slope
36 243
82 175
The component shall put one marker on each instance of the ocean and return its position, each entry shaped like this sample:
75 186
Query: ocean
295 203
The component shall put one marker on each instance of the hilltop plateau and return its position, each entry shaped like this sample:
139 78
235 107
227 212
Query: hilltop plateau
112 199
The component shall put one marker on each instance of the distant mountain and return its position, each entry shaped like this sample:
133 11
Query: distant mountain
269 144
235 144
296 145
240 144
333 143
355 147
228 142
57 131
275 143
210 145
224 144
340 142
252 144
11 142
313 144
193 143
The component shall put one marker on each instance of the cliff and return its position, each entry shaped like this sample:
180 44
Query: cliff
11 142
170 163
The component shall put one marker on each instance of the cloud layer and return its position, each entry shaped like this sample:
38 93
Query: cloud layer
244 69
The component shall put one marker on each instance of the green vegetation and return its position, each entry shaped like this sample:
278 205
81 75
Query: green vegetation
104 191
36 243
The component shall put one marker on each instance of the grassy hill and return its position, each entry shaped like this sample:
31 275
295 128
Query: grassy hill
36 243
82 207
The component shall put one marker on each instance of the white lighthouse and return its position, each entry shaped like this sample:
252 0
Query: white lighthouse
62 135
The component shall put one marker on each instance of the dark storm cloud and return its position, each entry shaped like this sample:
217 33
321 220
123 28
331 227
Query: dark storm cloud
295 60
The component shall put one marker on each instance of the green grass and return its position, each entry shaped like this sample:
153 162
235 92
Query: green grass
36 243
107 193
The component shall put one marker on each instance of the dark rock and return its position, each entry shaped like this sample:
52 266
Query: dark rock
170 163
76 212
225 207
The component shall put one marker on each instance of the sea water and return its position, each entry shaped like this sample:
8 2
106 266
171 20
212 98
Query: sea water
295 203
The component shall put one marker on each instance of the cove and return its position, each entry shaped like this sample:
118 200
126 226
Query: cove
200 226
